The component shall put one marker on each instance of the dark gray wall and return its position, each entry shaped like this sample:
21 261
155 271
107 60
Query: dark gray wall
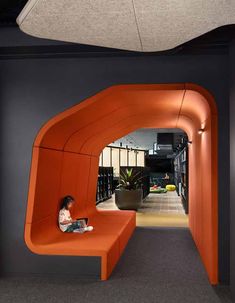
34 90
232 166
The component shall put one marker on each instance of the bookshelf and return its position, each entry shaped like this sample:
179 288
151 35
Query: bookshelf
181 176
105 187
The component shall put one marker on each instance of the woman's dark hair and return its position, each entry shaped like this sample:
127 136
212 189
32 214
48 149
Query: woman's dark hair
65 201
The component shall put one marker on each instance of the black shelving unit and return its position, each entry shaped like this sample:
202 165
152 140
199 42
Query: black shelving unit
105 187
144 174
181 176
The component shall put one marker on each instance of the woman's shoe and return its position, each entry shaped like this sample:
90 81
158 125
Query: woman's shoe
88 228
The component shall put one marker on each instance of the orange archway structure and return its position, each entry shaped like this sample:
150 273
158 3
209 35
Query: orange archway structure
66 156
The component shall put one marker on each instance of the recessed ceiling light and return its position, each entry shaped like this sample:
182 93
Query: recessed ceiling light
200 131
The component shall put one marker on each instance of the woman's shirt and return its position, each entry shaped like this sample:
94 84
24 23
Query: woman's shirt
64 215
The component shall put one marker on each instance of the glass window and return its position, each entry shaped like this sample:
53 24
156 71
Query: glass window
115 161
106 157
132 158
123 157
140 158
101 159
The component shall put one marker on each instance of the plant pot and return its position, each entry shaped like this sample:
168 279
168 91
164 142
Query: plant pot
128 199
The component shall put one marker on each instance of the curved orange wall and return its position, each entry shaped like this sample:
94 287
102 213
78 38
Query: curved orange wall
66 155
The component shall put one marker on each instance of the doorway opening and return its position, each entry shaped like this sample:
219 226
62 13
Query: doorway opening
159 157
66 159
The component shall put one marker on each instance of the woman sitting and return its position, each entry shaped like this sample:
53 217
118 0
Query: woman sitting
66 223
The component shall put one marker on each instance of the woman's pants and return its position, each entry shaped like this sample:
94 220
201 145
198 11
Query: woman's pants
79 225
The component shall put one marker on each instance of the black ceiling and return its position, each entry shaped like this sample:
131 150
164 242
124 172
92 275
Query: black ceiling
9 10
216 41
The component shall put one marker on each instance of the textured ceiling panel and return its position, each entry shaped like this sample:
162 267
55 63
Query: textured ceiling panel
139 25
167 24
109 23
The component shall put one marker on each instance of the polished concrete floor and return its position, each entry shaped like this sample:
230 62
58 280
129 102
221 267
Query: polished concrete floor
157 210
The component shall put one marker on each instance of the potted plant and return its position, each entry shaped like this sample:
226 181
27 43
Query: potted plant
128 194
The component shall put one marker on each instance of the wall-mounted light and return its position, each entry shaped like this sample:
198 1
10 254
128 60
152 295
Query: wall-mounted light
200 131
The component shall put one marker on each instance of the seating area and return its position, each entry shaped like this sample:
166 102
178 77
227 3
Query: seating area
112 230
57 174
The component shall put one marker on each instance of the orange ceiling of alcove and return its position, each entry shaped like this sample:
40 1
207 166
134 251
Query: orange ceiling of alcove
121 106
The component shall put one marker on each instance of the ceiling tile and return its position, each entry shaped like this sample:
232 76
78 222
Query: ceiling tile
165 24
152 25
104 23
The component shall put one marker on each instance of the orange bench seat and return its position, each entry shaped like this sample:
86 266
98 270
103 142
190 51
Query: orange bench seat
112 230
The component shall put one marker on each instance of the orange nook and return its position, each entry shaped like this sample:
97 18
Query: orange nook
66 156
